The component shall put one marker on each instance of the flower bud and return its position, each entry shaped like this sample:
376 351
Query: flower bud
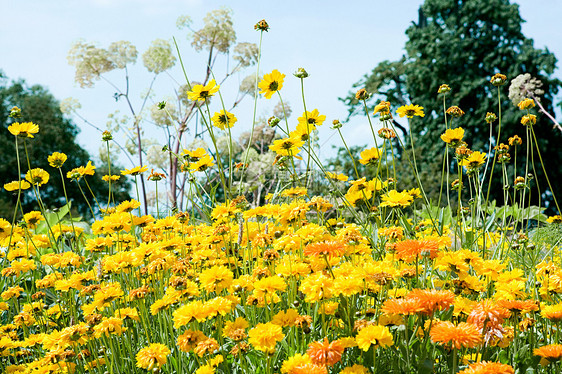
262 26
498 80
300 73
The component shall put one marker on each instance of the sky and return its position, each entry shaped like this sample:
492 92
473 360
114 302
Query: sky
336 43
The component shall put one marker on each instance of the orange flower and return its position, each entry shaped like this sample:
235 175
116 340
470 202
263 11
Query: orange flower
309 369
551 352
325 353
409 250
432 300
488 368
331 249
402 306
552 312
489 313
464 335
521 306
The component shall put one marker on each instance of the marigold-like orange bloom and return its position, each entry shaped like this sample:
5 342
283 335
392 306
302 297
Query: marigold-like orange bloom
402 306
433 300
488 368
324 352
409 250
521 306
330 249
464 335
551 352
488 312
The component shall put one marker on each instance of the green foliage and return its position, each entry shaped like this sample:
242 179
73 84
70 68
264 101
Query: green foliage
56 134
462 43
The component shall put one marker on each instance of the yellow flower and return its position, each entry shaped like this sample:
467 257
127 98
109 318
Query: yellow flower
152 356
337 176
57 159
201 93
135 171
554 219
475 160
24 130
312 119
379 336
453 136
370 156
37 176
203 164
526 104
528 119
265 336
15 185
271 83
223 119
410 111
395 199
286 146
383 107
32 218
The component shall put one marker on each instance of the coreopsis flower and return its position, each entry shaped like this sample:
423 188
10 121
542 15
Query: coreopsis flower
410 111
113 178
202 93
37 176
223 119
370 156
293 362
484 367
526 104
396 199
362 94
519 306
455 111
383 108
490 117
271 83
24 129
312 119
134 171
337 176
153 356
128 206
554 219
528 120
216 278
552 352
32 219
386 133
262 26
57 159
515 140
264 336
453 137
474 160
444 88
498 79
355 369
377 336
286 146
463 335
324 352
202 164
17 185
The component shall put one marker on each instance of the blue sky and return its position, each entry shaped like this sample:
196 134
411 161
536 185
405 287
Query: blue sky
335 43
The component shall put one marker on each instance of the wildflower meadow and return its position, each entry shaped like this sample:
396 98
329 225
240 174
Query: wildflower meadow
262 259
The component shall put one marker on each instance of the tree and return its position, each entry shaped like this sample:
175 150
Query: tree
463 43
56 134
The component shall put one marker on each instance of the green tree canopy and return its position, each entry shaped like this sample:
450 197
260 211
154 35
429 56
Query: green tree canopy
463 43
56 134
